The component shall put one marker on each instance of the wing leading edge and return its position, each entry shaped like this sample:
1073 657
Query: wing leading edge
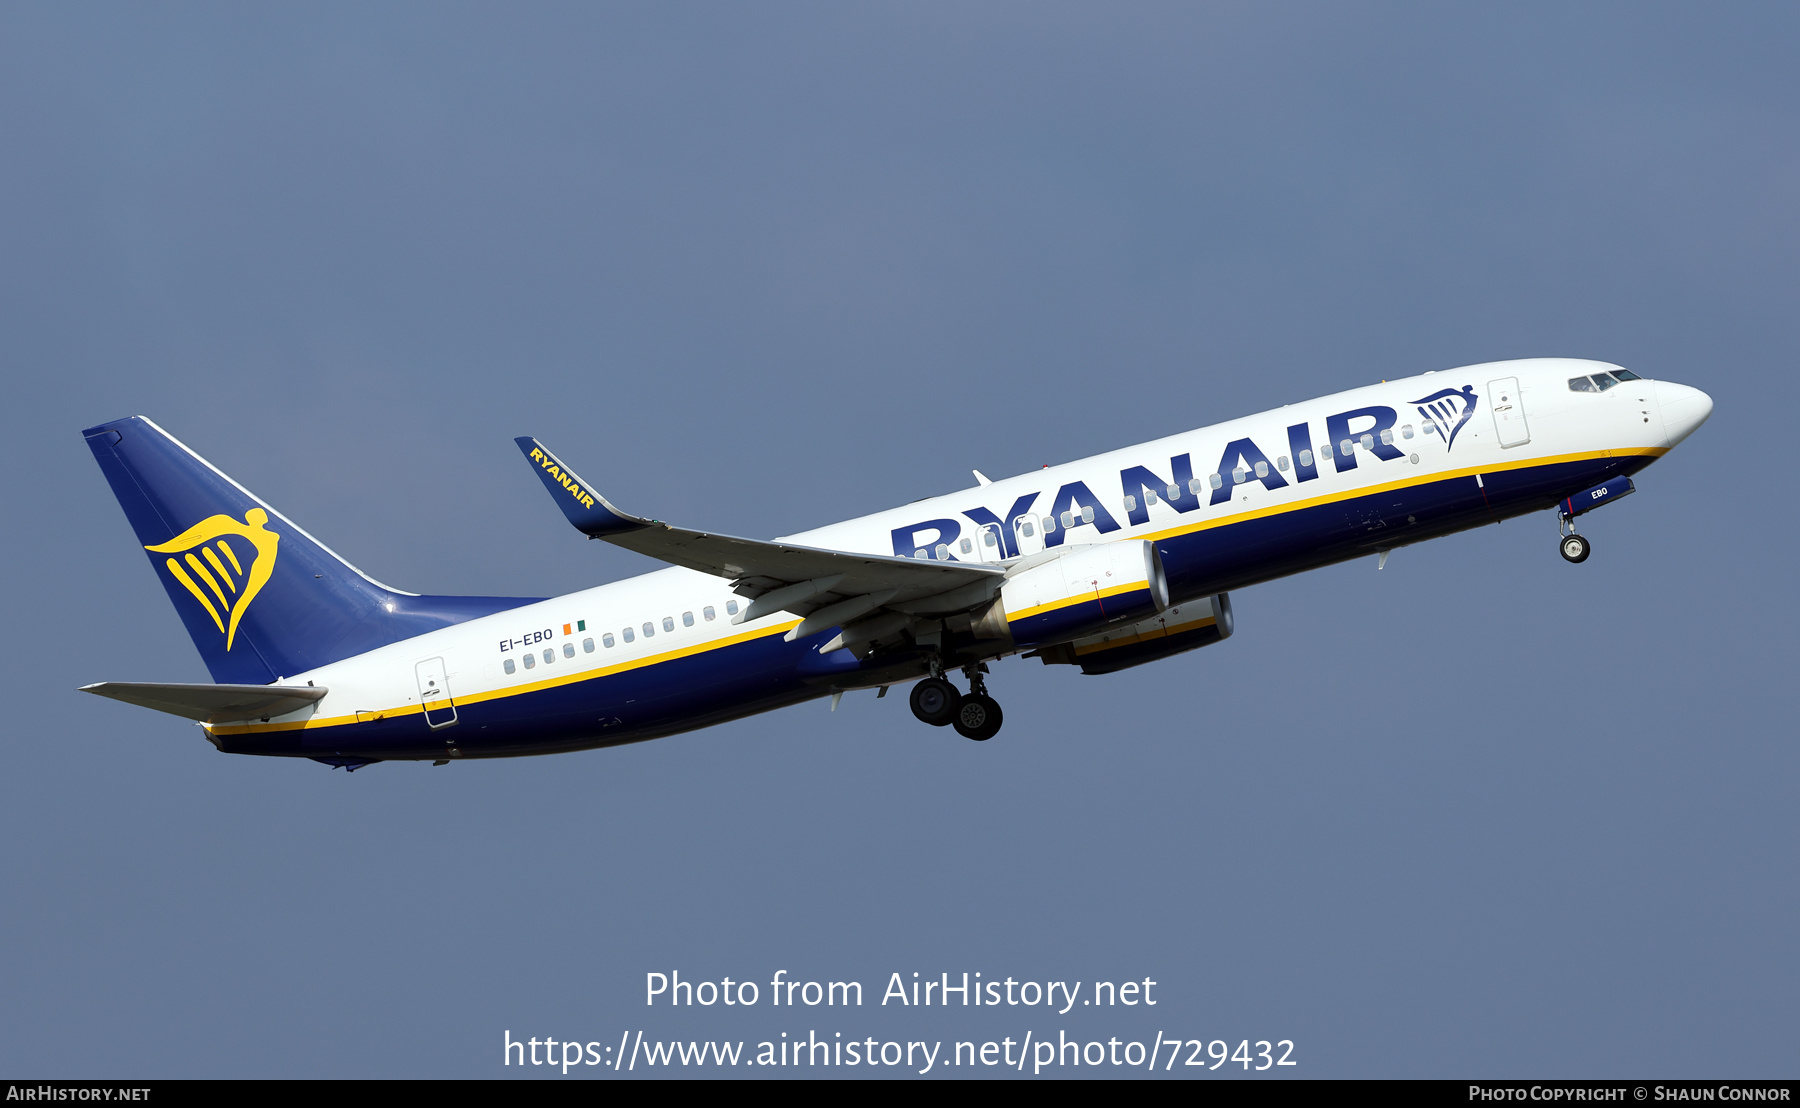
739 559
838 587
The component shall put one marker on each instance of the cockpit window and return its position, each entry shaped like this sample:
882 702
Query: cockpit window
1605 381
1626 375
1581 384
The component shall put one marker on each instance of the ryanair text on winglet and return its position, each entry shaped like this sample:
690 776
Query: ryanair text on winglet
566 481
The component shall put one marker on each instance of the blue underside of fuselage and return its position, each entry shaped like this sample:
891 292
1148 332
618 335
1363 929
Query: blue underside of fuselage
713 686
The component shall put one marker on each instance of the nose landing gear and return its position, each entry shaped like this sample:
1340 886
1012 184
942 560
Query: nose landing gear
975 716
1573 547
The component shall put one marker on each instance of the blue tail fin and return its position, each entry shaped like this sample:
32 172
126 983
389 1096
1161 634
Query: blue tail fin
262 599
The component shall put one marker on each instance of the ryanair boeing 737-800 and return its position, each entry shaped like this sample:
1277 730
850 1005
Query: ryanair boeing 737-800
1100 564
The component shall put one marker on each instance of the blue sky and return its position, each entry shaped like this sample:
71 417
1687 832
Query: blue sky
760 268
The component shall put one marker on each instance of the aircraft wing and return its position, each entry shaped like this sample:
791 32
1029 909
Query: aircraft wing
757 565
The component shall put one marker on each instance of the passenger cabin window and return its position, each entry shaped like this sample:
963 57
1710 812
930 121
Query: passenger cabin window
1281 463
668 623
510 666
1068 519
1325 451
1049 524
987 537
967 546
549 655
731 607
1194 486
1087 515
1131 501
1346 447
943 552
1306 458
569 649
687 619
1262 469
587 646
606 640
630 636
708 614
1428 427
1150 496
1215 480
649 630
1406 430
1238 475
1368 442
1387 436
1605 381
1026 529
530 661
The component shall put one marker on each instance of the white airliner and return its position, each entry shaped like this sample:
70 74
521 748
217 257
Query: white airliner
1101 564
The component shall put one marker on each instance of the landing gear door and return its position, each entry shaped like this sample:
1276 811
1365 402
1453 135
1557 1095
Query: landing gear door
1509 412
1028 536
434 693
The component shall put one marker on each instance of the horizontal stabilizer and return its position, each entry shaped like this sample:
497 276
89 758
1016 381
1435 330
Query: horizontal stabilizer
211 703
741 559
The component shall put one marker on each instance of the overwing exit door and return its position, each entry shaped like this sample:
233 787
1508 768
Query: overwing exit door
434 693
1027 538
1509 412
988 544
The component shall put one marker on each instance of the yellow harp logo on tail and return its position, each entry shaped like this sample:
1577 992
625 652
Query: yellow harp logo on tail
232 572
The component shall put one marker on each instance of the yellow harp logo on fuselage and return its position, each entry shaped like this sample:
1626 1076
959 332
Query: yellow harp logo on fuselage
233 574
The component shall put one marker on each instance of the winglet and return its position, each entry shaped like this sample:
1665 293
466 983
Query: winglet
586 508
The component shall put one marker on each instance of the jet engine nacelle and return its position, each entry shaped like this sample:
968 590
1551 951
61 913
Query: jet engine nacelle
1189 625
1084 591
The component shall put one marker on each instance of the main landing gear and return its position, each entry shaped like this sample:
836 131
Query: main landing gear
1573 547
975 715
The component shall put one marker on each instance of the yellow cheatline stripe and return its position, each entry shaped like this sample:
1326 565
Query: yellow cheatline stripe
232 555
188 582
1101 594
1162 633
194 564
513 690
220 566
1391 486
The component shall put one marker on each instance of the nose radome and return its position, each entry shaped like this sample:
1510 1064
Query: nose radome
1683 409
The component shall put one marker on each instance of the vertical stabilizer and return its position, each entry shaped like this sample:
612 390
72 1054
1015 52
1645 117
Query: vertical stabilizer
261 598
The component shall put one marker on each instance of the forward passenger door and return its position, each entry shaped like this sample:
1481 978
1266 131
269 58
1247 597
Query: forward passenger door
1509 412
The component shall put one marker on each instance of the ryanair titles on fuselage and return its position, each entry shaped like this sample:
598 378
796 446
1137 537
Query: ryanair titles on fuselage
1242 462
